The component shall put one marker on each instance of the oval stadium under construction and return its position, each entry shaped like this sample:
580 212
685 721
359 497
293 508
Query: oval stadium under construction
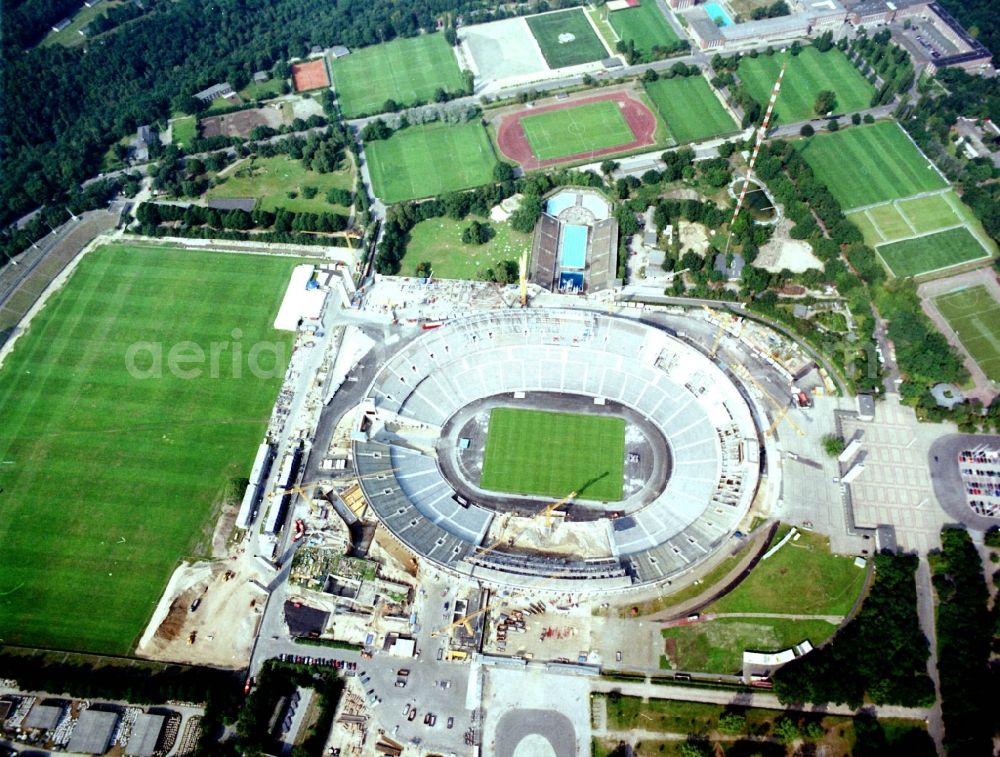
557 449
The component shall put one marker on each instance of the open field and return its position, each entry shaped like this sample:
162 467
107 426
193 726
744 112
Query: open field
717 646
975 317
438 241
645 25
864 165
184 130
801 578
404 70
690 108
115 476
421 161
553 454
566 38
594 126
70 36
808 73
913 257
263 90
272 179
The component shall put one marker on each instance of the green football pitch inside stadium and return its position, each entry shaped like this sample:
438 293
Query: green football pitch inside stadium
571 131
420 161
404 70
553 454
111 476
933 252
975 317
645 25
566 38
690 108
808 73
864 165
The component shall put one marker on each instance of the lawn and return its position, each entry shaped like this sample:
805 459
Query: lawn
438 241
864 165
264 90
405 70
690 108
807 74
913 257
421 161
571 131
110 478
184 130
537 452
801 578
273 179
645 25
717 646
975 316
917 215
581 45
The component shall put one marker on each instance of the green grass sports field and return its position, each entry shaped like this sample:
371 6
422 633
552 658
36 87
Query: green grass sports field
645 25
807 74
113 477
272 180
913 257
184 130
690 108
571 131
975 316
404 70
580 43
864 165
421 161
553 454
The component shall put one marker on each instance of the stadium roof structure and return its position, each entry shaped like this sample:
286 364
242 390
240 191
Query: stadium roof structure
712 439
93 732
145 733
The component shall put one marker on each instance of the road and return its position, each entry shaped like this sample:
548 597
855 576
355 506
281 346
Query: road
926 615
746 699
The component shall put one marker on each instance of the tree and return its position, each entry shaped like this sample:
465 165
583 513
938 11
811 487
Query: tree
650 75
503 172
826 102
451 36
477 233
833 445
856 119
608 167
807 130
526 216
832 125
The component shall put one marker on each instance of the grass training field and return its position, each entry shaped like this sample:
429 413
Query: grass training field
110 478
262 90
584 46
864 165
918 215
645 25
975 317
184 130
690 108
438 241
913 257
272 180
404 70
808 73
553 454
801 578
571 131
421 161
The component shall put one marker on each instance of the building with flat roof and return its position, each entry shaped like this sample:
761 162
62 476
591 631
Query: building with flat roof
145 733
216 90
815 16
44 717
93 732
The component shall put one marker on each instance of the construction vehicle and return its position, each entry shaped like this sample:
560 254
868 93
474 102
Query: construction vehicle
464 622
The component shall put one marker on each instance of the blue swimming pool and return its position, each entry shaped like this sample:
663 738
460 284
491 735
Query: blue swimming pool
573 251
718 14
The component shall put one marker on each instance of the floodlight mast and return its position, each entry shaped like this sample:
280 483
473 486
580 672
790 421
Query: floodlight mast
761 134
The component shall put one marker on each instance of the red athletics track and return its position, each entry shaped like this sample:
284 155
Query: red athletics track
513 142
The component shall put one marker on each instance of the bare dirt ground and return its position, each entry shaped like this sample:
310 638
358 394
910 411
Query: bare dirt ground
221 630
693 236
984 388
781 252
